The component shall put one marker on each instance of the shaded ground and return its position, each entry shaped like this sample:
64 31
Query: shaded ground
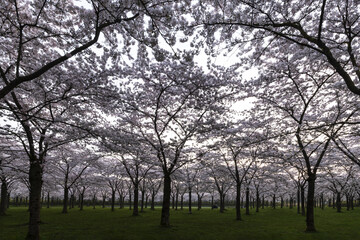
206 224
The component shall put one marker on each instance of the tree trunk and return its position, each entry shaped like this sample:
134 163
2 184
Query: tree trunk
152 201
310 224
35 180
274 201
130 195
302 195
48 200
257 200
94 201
199 201
136 200
81 201
4 194
238 201
103 201
142 201
281 202
338 202
190 201
8 200
146 200
247 201
263 202
113 199
165 212
221 203
298 200
176 200
182 202
212 202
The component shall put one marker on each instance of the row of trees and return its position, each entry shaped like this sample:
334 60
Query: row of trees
97 80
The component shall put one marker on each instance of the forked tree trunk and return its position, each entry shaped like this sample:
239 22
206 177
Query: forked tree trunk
35 179
165 212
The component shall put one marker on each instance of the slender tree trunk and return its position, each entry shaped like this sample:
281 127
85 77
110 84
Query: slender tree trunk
73 200
82 200
136 200
146 200
298 200
94 201
142 201
176 200
103 201
338 202
173 201
302 195
8 200
212 202
165 212
281 202
238 201
130 203
274 201
152 201
65 202
35 179
182 202
4 195
199 201
263 202
247 201
48 200
190 200
113 199
221 203
257 200
310 224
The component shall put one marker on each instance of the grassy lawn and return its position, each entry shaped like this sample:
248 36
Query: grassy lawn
206 224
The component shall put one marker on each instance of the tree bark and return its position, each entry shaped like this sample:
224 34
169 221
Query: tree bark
247 201
35 180
48 200
238 201
310 224
338 202
190 200
136 200
113 199
152 201
257 200
165 211
4 201
302 195
199 201
298 200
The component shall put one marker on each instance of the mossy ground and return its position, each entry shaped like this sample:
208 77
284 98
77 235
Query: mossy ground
206 224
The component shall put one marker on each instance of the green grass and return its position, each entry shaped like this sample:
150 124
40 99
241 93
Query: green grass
206 224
